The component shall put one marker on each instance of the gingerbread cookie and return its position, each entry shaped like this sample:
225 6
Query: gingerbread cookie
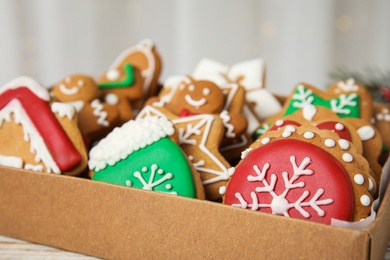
381 120
134 75
302 172
178 92
259 103
96 118
141 154
37 135
200 137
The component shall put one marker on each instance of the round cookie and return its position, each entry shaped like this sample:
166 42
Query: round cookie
303 173
141 154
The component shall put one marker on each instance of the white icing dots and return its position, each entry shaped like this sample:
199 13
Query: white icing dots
191 88
245 153
344 144
286 134
222 190
168 186
113 75
308 135
265 140
206 91
279 122
366 132
347 157
339 126
144 169
359 179
288 131
370 185
111 99
365 200
80 83
128 183
330 143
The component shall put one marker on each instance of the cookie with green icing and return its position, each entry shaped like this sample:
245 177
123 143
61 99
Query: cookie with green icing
143 154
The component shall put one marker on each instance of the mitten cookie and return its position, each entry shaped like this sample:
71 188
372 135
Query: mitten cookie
140 154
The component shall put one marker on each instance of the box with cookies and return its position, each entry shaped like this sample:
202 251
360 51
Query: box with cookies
161 180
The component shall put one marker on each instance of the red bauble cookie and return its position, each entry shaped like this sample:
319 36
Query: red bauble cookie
305 183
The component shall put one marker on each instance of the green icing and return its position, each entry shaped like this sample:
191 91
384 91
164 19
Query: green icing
345 106
163 159
261 130
127 82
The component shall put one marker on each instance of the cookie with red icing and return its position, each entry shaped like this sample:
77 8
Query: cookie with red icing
302 172
144 154
36 134
95 117
361 133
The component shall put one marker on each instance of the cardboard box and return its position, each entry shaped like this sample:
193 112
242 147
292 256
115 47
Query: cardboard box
116 222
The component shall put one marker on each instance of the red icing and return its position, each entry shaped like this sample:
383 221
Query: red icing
58 143
331 125
185 112
328 174
285 122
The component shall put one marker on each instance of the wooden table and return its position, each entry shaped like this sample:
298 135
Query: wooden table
18 249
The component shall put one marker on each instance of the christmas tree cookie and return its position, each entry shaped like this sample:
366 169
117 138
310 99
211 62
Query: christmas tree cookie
141 154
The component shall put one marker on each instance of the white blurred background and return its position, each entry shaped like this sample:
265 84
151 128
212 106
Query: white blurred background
300 40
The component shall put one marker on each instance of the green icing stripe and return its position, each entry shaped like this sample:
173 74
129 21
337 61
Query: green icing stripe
127 82
171 173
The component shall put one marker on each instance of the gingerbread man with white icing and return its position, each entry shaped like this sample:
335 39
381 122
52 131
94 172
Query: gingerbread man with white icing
95 118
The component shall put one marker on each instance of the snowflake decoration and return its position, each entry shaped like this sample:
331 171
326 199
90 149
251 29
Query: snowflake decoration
302 97
345 100
279 204
152 182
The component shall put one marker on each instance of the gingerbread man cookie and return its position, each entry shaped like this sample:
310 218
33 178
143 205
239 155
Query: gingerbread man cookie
37 135
96 118
302 172
141 154
194 108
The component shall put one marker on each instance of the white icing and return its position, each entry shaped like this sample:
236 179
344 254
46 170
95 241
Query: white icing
222 190
11 161
192 126
330 143
359 179
80 83
308 135
344 144
245 153
113 74
191 87
348 86
31 134
339 126
339 106
145 47
365 200
279 122
279 204
265 140
151 182
309 111
370 185
347 157
100 113
28 82
111 99
143 132
206 91
366 132
69 91
78 105
35 168
224 115
63 109
195 103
